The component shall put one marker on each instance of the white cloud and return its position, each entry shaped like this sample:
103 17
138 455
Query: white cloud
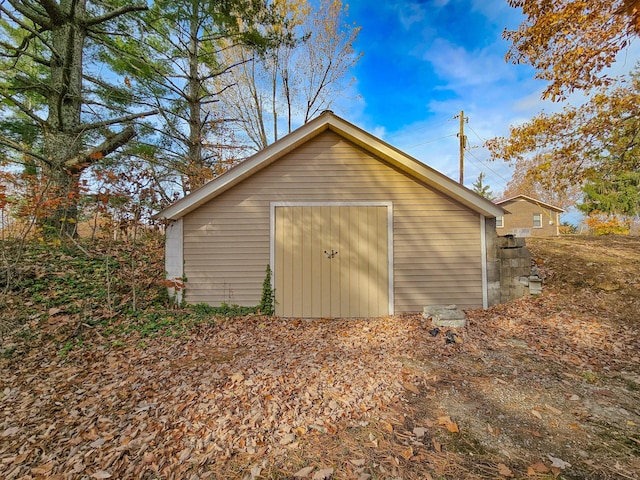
498 12
409 13
462 68
379 131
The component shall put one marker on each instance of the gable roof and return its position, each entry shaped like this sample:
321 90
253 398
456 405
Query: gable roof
531 200
328 121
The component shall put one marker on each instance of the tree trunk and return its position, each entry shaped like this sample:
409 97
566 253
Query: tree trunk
196 176
61 138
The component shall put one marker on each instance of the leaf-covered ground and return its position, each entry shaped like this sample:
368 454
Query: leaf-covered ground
538 388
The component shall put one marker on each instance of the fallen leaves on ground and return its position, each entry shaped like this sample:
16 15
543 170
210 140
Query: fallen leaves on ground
537 386
246 386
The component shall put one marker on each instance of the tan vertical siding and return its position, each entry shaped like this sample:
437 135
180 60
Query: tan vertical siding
436 241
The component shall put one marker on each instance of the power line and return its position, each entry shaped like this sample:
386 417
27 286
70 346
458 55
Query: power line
479 137
431 141
487 166
401 133
405 132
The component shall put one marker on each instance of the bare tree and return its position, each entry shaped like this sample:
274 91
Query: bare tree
304 74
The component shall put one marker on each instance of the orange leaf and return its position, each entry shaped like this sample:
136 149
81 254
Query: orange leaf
504 470
407 453
539 467
437 446
411 387
448 424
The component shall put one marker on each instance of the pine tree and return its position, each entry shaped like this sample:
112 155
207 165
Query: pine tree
481 189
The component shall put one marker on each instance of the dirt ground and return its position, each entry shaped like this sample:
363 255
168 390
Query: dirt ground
545 387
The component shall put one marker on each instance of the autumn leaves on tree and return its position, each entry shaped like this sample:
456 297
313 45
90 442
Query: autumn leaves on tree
590 150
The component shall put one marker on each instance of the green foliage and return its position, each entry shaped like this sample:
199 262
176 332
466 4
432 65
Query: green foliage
481 188
203 309
154 322
268 299
616 193
65 291
234 310
68 346
88 279
8 352
594 144
567 228
591 377
52 55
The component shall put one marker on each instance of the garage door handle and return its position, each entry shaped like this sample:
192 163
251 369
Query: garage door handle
330 254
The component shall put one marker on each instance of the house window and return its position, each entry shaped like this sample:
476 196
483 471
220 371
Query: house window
499 222
537 220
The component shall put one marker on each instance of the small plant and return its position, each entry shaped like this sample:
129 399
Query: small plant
203 309
567 228
590 377
8 352
68 346
268 300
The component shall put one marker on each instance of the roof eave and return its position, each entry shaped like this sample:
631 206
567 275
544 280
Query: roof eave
417 169
366 141
241 171
531 199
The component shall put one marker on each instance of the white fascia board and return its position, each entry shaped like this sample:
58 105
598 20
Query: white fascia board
531 200
419 170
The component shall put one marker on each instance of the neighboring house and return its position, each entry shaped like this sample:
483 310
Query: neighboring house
528 217
351 227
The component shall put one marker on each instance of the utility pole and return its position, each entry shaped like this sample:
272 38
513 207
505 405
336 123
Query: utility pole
463 143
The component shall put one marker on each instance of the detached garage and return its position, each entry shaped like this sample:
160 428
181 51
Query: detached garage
350 226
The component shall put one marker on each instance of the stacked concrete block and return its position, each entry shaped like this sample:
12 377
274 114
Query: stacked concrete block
445 316
516 278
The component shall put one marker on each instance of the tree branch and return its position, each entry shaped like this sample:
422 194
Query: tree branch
31 13
29 28
7 142
115 13
113 121
21 50
27 111
110 144
53 10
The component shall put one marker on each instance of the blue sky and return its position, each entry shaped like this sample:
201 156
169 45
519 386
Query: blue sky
424 61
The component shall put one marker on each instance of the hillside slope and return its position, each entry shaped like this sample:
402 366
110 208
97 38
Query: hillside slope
541 387
596 275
